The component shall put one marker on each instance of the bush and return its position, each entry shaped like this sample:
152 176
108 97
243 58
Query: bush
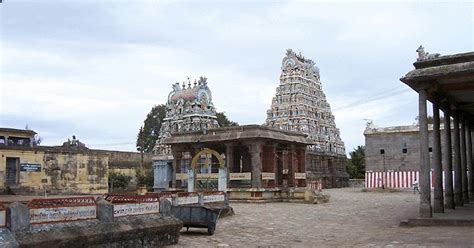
145 178
118 181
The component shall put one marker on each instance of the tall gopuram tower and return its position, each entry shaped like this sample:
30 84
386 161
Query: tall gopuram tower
189 108
300 105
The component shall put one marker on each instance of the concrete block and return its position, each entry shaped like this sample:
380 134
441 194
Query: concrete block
165 207
105 211
226 199
174 200
201 199
7 240
18 217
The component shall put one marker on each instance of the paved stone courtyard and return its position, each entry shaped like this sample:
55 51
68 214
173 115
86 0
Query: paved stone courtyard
352 218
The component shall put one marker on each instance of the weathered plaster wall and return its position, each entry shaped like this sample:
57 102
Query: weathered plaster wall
393 144
126 163
63 172
118 159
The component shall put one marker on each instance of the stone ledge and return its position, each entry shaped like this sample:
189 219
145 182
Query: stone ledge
130 231
435 222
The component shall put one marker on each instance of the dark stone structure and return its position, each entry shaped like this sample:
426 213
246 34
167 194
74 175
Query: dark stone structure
264 157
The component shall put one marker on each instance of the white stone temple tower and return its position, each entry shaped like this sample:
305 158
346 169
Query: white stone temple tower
300 105
189 108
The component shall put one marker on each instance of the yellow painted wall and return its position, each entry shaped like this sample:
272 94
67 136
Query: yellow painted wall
66 172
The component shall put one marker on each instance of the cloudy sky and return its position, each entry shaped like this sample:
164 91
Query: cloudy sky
96 68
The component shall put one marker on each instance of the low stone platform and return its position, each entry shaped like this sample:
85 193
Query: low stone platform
130 231
263 195
461 216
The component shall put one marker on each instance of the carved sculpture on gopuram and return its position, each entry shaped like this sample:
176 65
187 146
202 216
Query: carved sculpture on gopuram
300 105
189 108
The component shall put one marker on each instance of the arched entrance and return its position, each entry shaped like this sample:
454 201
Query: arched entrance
206 173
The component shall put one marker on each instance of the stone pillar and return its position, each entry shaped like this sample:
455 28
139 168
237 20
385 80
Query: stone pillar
174 200
425 189
229 155
6 140
18 217
438 201
229 160
465 193
448 160
176 164
222 182
191 179
457 162
105 211
160 174
275 164
291 167
200 199
284 158
256 160
469 160
165 207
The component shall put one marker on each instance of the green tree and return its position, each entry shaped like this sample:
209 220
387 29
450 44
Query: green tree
148 133
224 121
356 164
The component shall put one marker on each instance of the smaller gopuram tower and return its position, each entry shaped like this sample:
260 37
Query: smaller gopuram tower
300 105
189 108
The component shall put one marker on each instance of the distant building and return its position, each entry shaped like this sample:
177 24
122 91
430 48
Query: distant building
68 169
394 148
72 168
16 137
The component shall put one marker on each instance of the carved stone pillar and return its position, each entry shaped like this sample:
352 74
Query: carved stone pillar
448 159
465 193
256 163
291 167
177 155
438 201
275 164
284 158
229 160
457 162
470 163
425 189
229 156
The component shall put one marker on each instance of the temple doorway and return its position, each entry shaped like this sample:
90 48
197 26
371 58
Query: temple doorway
207 172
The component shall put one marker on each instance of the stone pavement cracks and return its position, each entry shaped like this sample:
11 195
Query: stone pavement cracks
351 218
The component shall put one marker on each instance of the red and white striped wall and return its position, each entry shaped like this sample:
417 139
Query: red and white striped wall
314 185
395 179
